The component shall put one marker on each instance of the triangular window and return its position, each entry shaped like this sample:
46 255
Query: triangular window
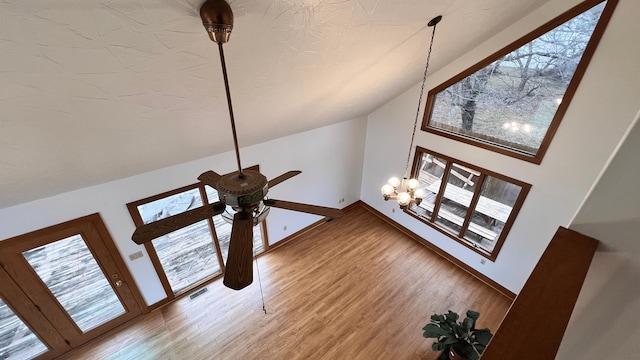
513 101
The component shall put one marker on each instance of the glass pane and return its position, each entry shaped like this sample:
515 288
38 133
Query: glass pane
73 276
258 247
512 101
492 211
17 341
461 184
430 176
187 255
170 205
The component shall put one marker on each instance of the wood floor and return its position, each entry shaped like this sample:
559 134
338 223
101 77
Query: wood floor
354 288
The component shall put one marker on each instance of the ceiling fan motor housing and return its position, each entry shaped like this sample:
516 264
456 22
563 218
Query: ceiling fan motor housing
243 192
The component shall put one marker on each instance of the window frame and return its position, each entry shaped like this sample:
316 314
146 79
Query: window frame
598 31
484 174
151 251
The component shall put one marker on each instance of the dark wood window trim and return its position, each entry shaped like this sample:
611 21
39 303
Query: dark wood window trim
482 175
566 100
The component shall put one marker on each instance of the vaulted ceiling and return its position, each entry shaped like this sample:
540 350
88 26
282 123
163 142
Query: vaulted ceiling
96 90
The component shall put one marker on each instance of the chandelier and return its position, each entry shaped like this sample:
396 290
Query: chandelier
407 191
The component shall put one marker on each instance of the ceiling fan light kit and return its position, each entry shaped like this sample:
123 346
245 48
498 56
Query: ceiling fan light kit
407 191
242 191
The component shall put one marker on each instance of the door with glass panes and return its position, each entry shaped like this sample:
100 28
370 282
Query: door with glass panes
61 287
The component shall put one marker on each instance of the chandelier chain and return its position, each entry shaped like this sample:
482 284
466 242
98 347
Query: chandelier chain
424 80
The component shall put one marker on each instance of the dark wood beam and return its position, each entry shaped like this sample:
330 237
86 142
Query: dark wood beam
535 324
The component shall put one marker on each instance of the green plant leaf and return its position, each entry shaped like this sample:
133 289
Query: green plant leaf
457 329
433 331
467 324
446 327
474 315
438 346
437 318
482 336
450 340
451 316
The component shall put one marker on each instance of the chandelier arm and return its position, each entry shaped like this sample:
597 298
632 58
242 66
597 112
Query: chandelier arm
434 22
233 122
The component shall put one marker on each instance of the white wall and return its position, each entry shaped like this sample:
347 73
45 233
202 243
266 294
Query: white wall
608 308
330 159
600 113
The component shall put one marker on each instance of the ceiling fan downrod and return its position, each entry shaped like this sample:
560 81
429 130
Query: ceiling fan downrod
217 19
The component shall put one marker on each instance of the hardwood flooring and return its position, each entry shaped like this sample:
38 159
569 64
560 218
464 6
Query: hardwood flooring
353 288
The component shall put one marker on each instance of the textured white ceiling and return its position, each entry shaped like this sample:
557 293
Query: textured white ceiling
96 90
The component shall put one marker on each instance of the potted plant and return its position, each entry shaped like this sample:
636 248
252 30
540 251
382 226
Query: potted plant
457 338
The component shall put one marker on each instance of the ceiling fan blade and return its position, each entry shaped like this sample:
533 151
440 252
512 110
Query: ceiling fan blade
150 231
289 174
311 209
210 178
239 270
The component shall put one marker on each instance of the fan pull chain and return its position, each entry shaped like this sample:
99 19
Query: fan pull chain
260 283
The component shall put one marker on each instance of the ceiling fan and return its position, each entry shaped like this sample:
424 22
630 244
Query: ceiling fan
244 190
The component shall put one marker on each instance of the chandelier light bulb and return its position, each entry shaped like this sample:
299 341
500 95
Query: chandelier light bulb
387 190
395 182
413 184
404 199
419 194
